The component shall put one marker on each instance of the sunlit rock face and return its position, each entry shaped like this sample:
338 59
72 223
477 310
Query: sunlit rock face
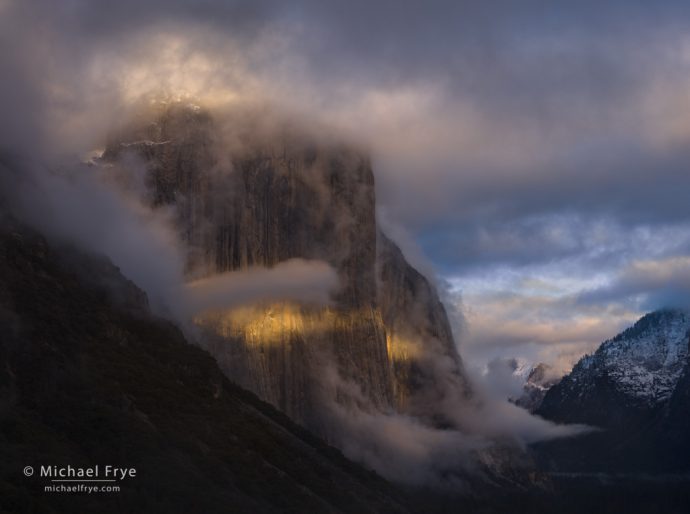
251 196
420 347
282 350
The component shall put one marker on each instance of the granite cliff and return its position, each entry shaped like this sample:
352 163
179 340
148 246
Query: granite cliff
246 195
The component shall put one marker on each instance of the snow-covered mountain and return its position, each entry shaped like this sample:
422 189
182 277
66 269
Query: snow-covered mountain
540 378
643 364
636 387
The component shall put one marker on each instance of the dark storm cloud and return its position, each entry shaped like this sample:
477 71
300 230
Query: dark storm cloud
572 88
500 118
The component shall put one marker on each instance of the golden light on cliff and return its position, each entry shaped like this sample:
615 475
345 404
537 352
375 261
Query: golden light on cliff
268 324
278 323
401 349
267 331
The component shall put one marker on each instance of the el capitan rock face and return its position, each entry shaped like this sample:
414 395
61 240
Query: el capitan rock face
261 197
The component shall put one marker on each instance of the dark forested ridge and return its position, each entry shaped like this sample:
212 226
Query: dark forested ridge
88 376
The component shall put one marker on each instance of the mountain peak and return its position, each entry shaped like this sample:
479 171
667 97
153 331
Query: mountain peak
539 379
635 386
636 370
646 360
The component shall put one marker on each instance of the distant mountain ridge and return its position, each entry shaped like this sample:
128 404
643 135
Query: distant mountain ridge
540 379
636 389
642 365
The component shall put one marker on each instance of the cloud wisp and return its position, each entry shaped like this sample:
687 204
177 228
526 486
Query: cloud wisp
292 280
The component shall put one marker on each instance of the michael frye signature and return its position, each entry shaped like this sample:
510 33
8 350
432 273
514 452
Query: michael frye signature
82 479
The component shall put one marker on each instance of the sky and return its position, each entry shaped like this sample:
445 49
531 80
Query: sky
532 155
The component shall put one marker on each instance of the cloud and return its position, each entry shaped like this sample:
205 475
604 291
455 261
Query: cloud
294 279
552 289
652 284
533 313
405 449
85 209
502 378
82 209
570 115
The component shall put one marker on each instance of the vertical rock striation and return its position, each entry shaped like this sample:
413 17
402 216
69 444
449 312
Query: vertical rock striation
423 358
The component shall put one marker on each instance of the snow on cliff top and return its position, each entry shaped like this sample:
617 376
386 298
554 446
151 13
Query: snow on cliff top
646 360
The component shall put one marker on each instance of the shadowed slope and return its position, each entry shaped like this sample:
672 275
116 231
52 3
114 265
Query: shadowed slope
88 376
